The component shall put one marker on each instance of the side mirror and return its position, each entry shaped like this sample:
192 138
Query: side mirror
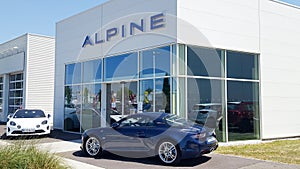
49 116
115 125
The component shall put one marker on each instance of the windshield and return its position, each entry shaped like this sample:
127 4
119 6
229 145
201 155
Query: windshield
29 114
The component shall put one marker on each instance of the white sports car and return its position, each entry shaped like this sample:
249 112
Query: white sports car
28 122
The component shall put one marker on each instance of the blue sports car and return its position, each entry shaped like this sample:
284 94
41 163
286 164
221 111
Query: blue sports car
166 136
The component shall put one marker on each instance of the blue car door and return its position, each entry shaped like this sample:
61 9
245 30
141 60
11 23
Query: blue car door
128 136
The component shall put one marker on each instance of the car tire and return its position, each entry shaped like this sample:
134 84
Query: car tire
168 152
92 147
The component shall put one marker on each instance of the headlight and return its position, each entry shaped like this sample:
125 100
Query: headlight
12 123
45 122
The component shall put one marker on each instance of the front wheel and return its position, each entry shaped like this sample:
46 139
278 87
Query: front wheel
168 152
92 147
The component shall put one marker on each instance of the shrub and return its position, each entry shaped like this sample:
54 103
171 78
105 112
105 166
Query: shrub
21 155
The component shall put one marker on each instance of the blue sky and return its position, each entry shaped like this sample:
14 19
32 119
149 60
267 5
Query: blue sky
39 16
293 2
18 17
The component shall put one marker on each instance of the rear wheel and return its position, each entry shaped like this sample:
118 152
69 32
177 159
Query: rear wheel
168 152
92 147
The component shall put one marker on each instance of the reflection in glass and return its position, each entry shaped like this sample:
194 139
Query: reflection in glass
73 103
162 95
243 110
92 71
91 107
73 73
204 62
155 62
122 100
206 106
242 65
121 67
146 94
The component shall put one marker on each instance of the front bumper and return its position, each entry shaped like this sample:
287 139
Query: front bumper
14 131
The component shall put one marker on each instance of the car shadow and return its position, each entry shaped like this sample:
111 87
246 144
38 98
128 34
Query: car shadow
149 160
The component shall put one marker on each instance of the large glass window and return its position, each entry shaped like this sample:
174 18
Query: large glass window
15 92
91 106
82 102
146 94
155 62
204 62
155 95
162 95
73 73
242 65
92 71
206 104
243 110
122 67
73 102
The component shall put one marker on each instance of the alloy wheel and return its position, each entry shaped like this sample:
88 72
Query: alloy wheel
93 146
167 152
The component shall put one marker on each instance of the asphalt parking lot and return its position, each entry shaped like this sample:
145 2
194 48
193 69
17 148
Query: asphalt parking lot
67 146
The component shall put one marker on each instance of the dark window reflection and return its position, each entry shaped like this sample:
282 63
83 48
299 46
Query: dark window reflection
242 65
162 95
243 110
73 97
205 104
204 62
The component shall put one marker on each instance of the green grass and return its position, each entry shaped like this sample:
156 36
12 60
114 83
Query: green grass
284 151
21 155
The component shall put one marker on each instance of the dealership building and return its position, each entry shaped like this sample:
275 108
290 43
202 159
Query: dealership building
27 74
235 62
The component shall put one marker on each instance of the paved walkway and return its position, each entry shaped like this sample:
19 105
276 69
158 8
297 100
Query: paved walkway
68 146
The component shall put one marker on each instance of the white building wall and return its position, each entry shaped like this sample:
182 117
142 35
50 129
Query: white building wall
280 70
40 73
226 24
71 32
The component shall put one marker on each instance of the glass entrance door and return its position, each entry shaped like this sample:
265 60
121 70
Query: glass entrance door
121 99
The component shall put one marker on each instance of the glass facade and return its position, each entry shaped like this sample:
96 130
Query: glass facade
122 67
15 100
213 87
83 96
